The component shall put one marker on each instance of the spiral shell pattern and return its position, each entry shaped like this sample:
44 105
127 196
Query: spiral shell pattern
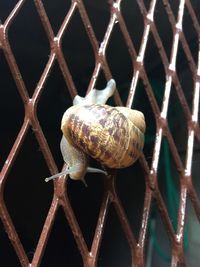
105 133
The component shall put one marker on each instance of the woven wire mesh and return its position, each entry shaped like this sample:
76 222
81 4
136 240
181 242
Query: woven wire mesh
168 59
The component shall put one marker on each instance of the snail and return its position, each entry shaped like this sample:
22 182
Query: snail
114 136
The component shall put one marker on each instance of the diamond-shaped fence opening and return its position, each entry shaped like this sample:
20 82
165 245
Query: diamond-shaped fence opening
28 196
60 257
82 68
15 106
56 12
57 92
117 46
26 42
145 215
134 24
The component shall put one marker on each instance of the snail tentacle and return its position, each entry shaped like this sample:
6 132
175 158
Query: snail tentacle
96 96
95 170
73 169
65 172
69 171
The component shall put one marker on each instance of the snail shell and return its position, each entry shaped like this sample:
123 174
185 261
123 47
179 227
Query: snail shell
112 135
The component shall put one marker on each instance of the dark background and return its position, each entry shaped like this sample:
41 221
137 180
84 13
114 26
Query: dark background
27 196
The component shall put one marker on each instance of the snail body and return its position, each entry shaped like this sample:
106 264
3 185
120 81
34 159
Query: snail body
114 136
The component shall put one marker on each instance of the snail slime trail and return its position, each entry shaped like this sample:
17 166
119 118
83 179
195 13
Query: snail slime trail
114 136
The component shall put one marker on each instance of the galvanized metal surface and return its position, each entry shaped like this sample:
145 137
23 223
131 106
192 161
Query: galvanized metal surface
60 197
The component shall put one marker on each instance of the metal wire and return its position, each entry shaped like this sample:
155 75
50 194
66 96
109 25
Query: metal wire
152 192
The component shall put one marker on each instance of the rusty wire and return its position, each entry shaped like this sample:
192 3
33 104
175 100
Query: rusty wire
60 197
